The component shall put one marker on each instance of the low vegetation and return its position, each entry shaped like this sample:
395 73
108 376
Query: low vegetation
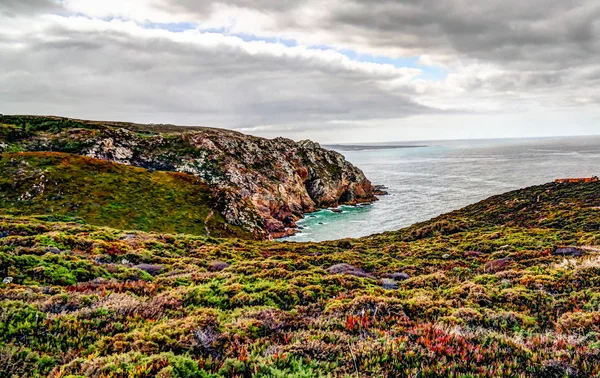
108 194
490 290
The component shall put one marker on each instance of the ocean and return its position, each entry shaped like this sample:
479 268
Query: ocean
441 176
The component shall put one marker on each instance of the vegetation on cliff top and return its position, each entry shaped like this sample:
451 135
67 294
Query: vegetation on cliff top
486 291
108 194
24 126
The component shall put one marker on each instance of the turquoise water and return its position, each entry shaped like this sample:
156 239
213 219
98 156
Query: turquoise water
447 175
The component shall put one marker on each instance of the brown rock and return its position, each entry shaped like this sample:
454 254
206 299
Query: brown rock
274 225
285 233
302 172
380 190
496 265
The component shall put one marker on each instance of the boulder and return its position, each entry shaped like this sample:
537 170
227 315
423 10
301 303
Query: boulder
380 190
274 225
309 144
7 280
99 281
285 233
568 251
389 284
349 269
53 250
150 268
399 276
217 266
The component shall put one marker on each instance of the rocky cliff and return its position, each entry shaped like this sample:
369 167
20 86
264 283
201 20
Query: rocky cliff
264 185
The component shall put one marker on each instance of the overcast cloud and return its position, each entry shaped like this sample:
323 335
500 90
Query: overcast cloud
334 71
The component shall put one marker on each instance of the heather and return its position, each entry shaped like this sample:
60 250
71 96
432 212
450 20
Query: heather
506 287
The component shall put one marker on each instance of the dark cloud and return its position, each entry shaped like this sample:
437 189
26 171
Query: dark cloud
544 32
14 8
77 73
538 43
547 32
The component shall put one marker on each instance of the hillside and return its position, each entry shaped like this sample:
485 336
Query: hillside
108 194
267 185
572 207
506 287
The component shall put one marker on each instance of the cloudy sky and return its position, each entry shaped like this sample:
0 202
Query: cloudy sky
330 70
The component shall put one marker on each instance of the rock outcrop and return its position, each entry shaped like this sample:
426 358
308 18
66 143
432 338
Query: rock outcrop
264 185
352 270
568 251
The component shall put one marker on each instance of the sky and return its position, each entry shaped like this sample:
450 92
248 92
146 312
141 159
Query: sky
335 71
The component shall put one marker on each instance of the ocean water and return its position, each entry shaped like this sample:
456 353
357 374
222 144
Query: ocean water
428 181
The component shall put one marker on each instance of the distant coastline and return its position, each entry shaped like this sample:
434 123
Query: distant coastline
364 147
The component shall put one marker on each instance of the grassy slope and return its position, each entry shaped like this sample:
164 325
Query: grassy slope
550 206
76 308
108 194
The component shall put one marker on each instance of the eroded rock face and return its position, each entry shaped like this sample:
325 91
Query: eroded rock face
263 185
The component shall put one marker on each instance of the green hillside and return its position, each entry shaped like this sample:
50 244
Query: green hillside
108 194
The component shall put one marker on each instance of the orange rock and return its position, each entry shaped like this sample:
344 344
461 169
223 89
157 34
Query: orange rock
302 172
577 180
